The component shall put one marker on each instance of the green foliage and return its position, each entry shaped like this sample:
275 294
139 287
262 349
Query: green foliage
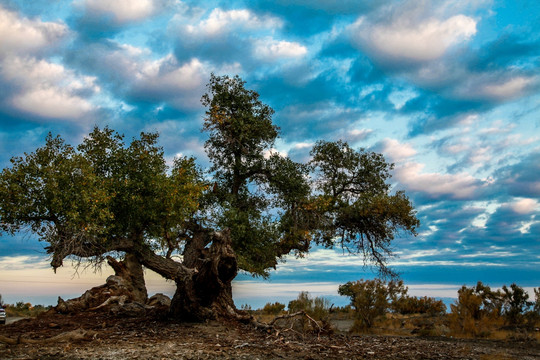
351 197
358 209
250 186
22 309
83 201
273 308
371 299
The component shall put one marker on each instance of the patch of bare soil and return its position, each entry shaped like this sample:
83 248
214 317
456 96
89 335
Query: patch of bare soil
99 335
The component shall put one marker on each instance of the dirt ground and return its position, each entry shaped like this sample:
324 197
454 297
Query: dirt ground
110 337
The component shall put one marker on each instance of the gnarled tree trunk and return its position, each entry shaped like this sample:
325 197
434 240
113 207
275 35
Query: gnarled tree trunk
131 271
127 283
208 293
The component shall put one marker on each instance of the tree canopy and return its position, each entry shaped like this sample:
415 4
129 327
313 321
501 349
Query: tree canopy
248 210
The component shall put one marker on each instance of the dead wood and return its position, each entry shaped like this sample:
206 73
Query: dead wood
121 300
273 326
70 336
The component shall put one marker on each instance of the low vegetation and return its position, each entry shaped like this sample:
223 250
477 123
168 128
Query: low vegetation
480 311
22 309
385 307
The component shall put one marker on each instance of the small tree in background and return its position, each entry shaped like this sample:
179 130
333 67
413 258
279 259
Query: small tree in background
318 307
371 299
467 311
515 304
479 308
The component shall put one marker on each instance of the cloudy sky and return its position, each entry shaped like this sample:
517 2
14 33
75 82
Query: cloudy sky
447 90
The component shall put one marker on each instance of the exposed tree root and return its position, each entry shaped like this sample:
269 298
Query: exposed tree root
74 335
121 300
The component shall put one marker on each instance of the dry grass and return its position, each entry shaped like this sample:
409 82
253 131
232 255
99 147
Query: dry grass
424 325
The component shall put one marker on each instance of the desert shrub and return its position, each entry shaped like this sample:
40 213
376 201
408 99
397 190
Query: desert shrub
478 308
321 308
25 309
246 307
533 315
371 299
468 310
418 305
515 304
273 309
536 308
318 308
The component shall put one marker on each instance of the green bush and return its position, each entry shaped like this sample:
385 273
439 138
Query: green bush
273 309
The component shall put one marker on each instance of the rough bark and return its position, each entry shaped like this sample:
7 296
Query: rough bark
131 270
208 293
128 283
203 278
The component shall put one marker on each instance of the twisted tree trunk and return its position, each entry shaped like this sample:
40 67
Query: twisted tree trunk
203 278
208 293
127 283
131 271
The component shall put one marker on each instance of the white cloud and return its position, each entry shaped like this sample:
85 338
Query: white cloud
168 74
46 89
22 262
25 36
494 86
408 37
52 103
508 89
220 22
396 151
456 186
272 151
302 145
123 11
524 206
165 78
270 49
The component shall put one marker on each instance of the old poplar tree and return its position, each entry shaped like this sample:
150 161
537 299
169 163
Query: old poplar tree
198 229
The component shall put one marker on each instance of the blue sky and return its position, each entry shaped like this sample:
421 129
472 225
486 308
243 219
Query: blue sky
447 90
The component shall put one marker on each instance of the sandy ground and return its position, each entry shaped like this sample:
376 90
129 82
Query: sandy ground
11 319
151 338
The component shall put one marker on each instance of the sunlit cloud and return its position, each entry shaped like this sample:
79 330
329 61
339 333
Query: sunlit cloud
23 36
437 185
408 39
269 49
224 21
